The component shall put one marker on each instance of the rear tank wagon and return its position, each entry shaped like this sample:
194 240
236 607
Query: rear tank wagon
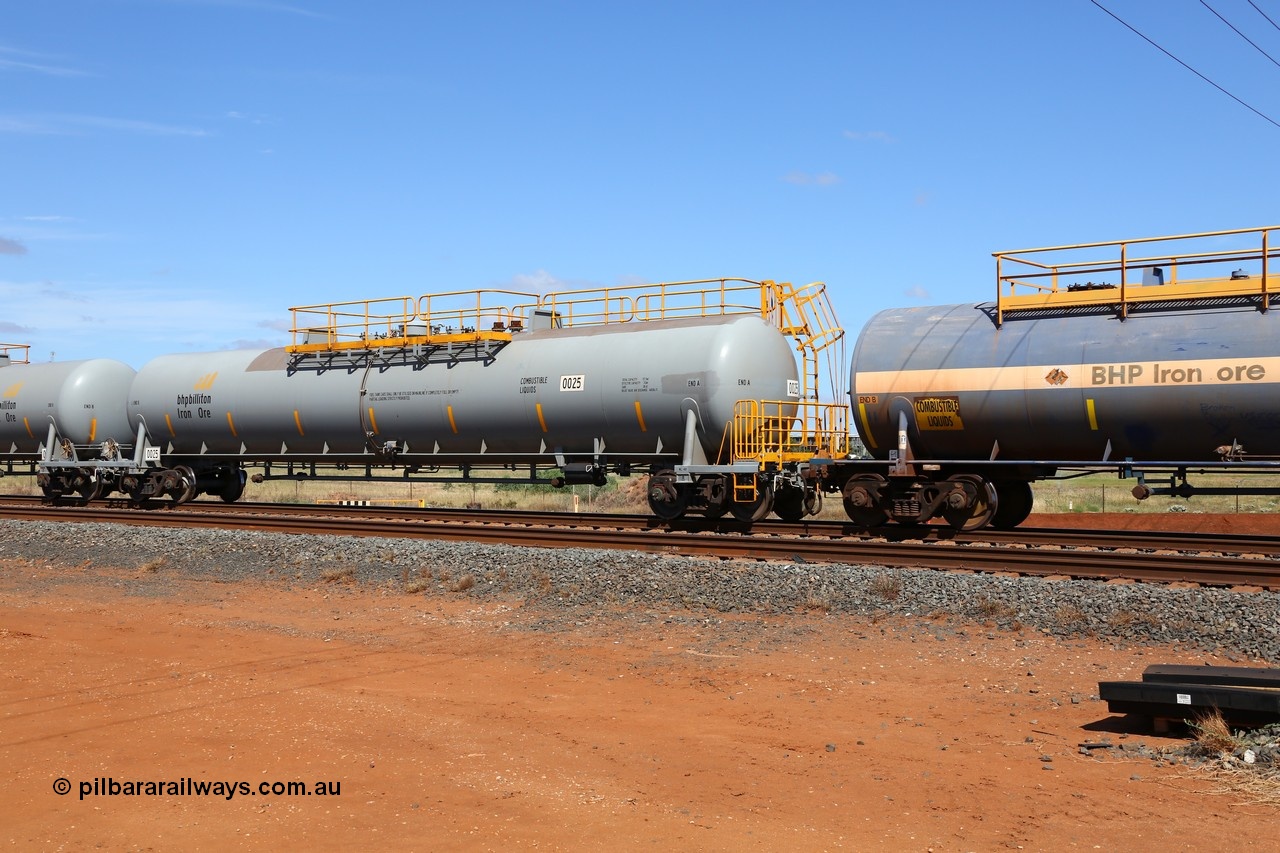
562 389
70 413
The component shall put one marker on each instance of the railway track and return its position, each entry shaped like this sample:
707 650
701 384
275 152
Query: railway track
1206 559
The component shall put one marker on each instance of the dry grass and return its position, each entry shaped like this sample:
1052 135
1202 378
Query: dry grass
1256 784
1212 734
463 583
1247 784
886 587
816 603
989 608
1070 614
153 565
1127 618
339 574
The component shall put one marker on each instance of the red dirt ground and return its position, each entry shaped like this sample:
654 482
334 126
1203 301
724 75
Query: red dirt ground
457 725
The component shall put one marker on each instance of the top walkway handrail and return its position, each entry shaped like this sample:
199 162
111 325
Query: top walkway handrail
480 315
1053 274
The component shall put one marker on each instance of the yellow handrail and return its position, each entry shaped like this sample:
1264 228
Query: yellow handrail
780 431
1063 276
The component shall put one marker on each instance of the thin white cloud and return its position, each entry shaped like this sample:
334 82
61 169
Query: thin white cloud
539 282
868 136
917 292
70 124
60 316
251 118
32 229
255 343
12 59
821 179
11 247
255 5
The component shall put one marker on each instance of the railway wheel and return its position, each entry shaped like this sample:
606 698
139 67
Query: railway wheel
51 487
789 503
181 485
1014 503
717 491
133 486
234 487
89 488
862 501
754 510
667 499
971 503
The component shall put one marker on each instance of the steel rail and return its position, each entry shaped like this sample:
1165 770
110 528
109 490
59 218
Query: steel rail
1141 540
1211 570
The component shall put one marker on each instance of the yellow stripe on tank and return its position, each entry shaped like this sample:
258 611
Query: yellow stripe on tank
453 426
232 425
1093 415
93 429
373 422
866 427
640 417
28 426
297 421
541 421
169 424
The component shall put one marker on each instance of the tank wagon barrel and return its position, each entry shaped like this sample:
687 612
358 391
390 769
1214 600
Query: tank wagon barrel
1096 357
575 384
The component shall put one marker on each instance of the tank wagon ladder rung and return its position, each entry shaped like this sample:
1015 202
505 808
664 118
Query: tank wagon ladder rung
776 433
744 488
805 315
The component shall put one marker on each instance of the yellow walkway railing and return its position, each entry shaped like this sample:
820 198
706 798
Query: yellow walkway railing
1242 262
765 431
779 431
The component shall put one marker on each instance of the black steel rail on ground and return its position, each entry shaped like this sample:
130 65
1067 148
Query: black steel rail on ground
1215 569
1245 696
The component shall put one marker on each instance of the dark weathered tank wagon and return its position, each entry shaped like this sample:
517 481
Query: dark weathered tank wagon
1160 356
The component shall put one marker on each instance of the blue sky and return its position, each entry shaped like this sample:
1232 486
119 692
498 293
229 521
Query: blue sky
178 173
